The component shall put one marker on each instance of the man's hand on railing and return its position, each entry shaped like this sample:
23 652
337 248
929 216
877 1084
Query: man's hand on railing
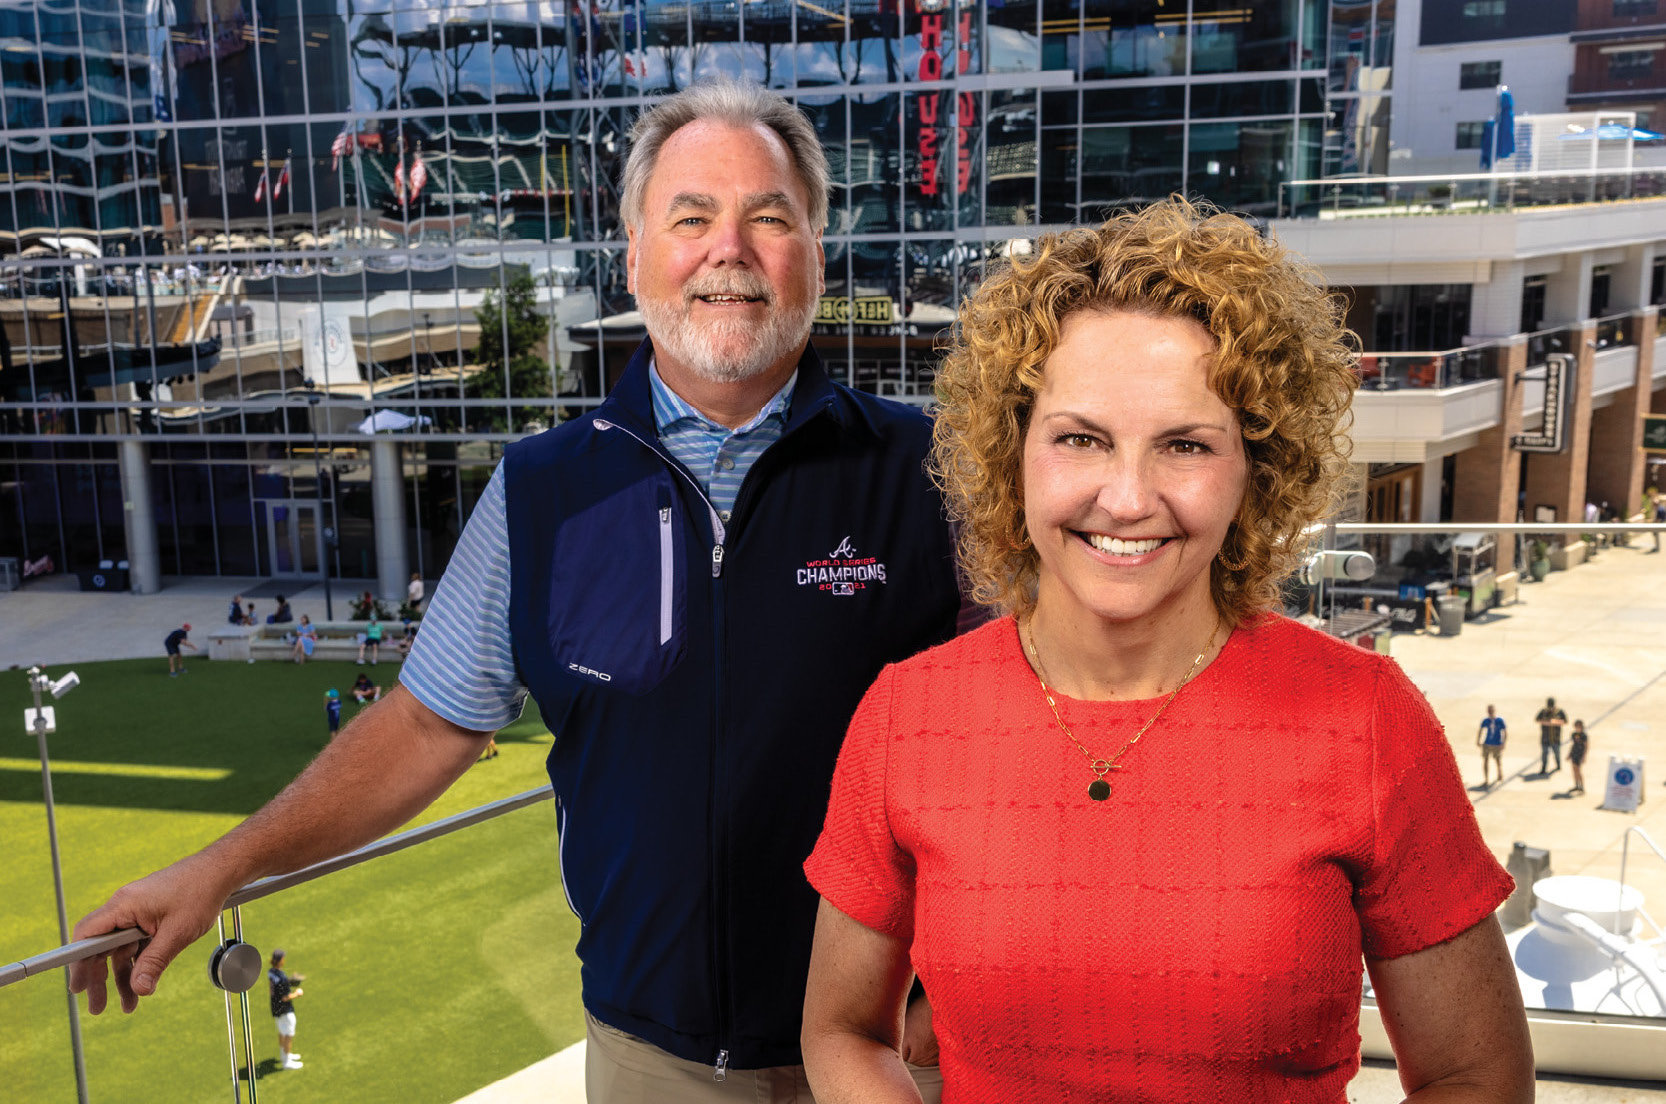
173 907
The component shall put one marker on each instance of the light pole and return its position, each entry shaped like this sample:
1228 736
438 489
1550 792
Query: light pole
41 722
428 338
314 397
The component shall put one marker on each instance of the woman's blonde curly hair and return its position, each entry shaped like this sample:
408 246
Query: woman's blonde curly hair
1283 363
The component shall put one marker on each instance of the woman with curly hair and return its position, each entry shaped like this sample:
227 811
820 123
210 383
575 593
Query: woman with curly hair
1136 836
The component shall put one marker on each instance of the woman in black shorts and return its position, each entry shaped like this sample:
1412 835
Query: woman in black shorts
1576 756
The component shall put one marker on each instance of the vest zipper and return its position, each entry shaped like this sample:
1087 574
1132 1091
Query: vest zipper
719 845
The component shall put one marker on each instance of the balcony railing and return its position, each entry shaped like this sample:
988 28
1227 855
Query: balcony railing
1433 370
1463 193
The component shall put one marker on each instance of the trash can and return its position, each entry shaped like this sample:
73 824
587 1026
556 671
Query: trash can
1451 610
10 579
1526 865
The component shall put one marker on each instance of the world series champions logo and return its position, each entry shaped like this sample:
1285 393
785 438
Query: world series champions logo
842 572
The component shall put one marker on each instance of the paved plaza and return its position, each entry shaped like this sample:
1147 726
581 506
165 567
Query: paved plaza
1593 637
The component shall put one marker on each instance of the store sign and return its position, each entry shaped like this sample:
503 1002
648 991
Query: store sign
864 310
933 107
1654 433
1552 435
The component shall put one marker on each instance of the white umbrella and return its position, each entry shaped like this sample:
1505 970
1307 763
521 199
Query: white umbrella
389 419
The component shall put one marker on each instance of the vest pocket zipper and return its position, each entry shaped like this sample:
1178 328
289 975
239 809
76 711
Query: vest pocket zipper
667 568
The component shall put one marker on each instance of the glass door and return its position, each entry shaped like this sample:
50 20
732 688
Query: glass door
295 540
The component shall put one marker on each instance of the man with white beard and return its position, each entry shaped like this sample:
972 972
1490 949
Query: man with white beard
696 581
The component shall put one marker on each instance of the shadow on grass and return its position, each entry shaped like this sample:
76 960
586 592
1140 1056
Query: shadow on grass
265 1068
223 739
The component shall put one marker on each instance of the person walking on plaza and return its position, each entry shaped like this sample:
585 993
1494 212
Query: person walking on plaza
696 581
414 593
1659 519
1491 739
1578 744
284 989
173 643
1550 720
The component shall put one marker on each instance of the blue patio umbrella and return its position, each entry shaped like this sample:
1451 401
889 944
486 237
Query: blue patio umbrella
1504 132
1498 135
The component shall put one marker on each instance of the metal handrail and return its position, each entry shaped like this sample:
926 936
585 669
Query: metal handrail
1528 527
71 953
1625 847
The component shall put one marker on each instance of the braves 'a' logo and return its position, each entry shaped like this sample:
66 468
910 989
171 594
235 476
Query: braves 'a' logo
844 550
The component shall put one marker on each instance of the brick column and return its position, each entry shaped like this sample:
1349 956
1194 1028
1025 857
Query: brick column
1558 478
1616 465
1487 475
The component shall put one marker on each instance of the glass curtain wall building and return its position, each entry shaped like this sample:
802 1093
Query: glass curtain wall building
275 267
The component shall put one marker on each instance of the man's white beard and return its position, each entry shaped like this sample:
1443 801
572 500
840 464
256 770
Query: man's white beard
726 350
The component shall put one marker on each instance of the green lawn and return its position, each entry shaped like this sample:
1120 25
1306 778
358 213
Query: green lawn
429 973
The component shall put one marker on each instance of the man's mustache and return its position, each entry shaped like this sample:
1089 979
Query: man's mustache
739 284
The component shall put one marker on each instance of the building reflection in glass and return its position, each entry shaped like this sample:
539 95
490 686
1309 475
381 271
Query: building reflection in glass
205 204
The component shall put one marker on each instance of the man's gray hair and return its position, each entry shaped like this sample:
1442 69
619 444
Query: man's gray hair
735 103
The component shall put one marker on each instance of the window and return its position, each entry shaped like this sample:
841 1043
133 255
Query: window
1480 74
1469 135
1635 7
1484 9
1630 65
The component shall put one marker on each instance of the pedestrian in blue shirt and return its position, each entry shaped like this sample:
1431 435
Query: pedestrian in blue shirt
332 710
1491 738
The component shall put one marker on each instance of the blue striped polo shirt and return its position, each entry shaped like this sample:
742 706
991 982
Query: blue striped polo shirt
463 663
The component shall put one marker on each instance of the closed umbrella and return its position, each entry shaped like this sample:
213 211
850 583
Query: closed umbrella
1504 130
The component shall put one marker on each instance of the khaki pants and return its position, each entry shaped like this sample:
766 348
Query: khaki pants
622 1069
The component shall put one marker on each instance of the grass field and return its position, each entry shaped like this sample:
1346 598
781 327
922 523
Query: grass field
429 973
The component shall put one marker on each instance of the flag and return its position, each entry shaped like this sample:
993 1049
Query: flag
261 186
399 180
283 179
339 148
419 175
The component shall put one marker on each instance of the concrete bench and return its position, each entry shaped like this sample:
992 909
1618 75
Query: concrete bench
337 640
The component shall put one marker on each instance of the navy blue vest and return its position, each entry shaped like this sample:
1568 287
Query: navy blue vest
698 677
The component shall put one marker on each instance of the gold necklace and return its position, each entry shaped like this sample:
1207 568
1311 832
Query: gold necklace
1099 789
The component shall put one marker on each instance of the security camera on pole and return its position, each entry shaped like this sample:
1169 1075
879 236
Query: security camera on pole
43 721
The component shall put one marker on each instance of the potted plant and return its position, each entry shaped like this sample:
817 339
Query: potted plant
1538 564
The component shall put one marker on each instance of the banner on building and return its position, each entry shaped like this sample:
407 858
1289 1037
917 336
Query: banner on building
863 310
1654 433
1553 432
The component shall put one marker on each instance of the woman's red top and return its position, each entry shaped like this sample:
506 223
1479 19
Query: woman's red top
1196 937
